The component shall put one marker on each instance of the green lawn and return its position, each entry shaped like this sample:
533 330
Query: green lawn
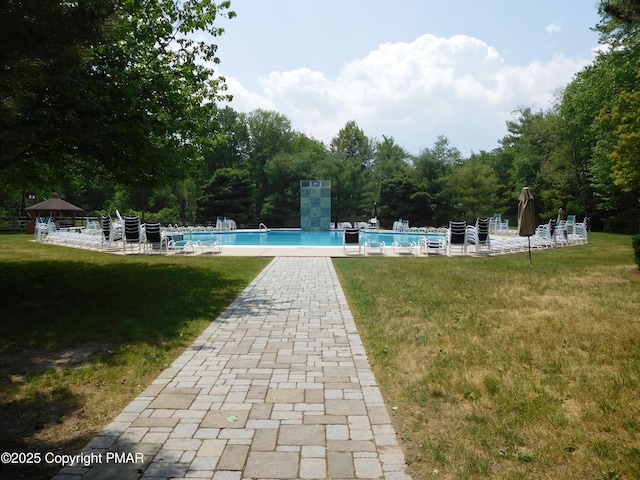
495 368
491 367
123 318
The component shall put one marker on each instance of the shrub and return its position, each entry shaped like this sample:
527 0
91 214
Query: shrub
635 243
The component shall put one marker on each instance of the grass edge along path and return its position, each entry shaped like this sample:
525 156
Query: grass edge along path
494 368
83 333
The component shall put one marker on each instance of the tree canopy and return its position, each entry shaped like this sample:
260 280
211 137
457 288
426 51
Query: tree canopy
115 105
116 89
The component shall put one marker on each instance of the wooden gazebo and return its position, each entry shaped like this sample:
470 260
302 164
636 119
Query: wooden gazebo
53 207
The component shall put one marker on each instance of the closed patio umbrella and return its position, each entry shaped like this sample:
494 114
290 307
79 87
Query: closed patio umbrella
526 216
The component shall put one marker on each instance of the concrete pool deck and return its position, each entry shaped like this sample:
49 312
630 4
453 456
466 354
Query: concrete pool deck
289 251
500 244
277 387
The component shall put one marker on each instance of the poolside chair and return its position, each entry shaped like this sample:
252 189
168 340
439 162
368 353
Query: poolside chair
373 247
404 248
351 238
178 244
561 235
111 231
433 244
495 223
580 232
458 236
43 227
132 233
215 245
483 239
401 225
472 236
155 242
543 237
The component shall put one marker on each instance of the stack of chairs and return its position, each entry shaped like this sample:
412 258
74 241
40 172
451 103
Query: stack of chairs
580 233
133 233
458 236
111 231
483 239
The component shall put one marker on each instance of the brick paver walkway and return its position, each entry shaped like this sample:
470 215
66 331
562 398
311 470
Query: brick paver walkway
278 387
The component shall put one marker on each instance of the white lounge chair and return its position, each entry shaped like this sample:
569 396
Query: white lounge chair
374 247
178 244
433 244
214 245
404 248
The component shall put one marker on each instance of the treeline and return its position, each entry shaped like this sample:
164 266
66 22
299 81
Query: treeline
582 155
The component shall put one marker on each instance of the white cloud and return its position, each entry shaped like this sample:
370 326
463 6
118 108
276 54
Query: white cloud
244 100
554 28
459 87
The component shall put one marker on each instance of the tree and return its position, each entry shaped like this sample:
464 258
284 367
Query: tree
352 149
284 172
229 193
230 144
186 194
623 147
270 133
625 156
389 159
619 23
474 186
527 144
537 154
402 197
500 164
126 98
445 153
432 167
586 107
42 50
615 167
352 144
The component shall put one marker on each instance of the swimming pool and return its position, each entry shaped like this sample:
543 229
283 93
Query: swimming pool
296 237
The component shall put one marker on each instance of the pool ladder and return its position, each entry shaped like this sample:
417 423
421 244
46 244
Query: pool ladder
263 228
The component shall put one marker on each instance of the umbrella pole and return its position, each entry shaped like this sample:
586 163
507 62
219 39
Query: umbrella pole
529 239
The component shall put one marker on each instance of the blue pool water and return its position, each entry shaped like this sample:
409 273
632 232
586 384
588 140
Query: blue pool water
294 237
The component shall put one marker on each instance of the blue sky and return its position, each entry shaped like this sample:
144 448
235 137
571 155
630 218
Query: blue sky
407 69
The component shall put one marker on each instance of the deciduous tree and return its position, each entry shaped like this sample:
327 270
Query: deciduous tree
117 88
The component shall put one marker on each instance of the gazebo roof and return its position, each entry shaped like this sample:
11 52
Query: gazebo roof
54 204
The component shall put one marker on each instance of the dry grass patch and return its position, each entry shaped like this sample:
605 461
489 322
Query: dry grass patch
501 369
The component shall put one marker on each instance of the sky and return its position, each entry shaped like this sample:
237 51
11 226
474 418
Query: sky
410 70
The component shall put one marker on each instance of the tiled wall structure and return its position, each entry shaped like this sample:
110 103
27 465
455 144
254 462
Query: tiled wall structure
315 205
